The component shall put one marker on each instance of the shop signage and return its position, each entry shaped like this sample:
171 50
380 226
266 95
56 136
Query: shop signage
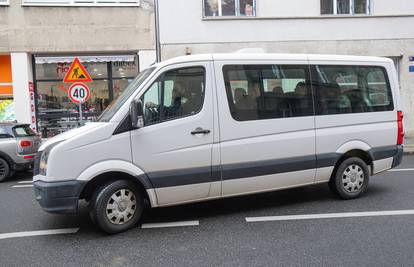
77 73
32 107
411 58
79 93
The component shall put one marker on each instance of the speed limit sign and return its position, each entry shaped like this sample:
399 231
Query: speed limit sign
79 93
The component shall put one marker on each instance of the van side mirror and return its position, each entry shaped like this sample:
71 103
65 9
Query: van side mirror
136 114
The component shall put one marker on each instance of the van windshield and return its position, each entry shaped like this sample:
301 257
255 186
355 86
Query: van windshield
118 102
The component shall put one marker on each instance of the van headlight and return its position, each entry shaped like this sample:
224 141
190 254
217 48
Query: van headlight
43 163
45 157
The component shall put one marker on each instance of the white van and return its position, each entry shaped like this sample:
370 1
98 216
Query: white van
204 127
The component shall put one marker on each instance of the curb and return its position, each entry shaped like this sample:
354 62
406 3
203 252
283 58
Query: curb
408 149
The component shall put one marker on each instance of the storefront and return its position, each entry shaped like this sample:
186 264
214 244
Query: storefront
7 111
55 112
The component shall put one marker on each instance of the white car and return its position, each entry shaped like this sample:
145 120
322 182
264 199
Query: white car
204 127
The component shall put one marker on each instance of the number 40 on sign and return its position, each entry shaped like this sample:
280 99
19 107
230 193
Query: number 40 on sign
79 93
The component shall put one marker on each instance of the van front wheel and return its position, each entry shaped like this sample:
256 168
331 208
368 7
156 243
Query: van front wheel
351 178
117 206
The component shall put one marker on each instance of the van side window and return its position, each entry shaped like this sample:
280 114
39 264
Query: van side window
175 94
257 92
351 89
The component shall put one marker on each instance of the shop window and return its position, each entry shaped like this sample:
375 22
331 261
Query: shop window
238 8
82 2
345 7
57 71
55 112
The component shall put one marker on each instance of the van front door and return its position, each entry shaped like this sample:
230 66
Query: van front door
174 148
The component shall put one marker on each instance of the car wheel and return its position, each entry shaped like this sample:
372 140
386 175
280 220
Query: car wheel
351 178
4 170
116 206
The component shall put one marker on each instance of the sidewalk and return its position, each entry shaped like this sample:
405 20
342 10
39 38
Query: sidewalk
409 146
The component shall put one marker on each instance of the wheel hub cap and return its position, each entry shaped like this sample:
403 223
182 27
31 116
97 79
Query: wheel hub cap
353 178
121 206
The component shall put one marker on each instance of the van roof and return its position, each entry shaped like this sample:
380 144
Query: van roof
270 56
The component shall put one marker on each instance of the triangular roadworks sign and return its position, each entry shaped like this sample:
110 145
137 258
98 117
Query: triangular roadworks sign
77 73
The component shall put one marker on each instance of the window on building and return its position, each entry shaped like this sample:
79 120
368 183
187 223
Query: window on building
56 113
351 89
239 8
177 93
4 2
257 92
82 2
345 7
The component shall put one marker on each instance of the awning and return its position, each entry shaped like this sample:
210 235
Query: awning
69 59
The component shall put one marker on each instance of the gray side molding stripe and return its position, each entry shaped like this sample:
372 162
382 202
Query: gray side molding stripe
251 169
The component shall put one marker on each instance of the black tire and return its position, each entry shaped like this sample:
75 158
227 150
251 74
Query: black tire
102 197
5 170
346 181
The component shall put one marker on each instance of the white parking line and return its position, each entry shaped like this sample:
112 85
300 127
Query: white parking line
39 233
22 186
170 224
25 182
329 215
401 170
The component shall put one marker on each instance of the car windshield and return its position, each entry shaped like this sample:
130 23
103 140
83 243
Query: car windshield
118 102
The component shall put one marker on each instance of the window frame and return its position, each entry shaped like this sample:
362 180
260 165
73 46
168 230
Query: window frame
236 11
308 83
161 76
351 9
86 3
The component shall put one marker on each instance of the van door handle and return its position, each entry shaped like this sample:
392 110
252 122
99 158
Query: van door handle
200 131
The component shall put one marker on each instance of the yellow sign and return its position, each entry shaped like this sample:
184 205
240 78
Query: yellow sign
77 73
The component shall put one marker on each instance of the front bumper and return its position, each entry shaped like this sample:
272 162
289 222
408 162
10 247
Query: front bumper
23 166
58 197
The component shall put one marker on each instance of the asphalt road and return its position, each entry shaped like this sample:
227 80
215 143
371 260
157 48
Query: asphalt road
223 237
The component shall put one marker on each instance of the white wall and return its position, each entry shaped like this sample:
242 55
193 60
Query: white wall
22 75
146 58
185 25
291 8
392 7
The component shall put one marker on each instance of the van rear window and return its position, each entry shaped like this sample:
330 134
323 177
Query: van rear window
351 89
22 131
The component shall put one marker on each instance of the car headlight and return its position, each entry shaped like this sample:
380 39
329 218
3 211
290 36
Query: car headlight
45 157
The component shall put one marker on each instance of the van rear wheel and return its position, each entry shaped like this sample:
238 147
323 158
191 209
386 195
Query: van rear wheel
351 178
117 206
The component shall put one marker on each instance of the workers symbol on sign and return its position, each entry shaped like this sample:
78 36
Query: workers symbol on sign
75 74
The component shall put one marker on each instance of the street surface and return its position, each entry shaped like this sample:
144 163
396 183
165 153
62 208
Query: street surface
217 233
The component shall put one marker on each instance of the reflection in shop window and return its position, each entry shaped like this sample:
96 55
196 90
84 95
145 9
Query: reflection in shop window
214 8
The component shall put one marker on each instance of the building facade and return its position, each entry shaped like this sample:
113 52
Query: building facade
349 27
39 39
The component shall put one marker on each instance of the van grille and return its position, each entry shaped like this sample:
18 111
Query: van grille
37 163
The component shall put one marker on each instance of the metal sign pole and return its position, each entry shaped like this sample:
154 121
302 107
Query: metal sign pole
80 114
